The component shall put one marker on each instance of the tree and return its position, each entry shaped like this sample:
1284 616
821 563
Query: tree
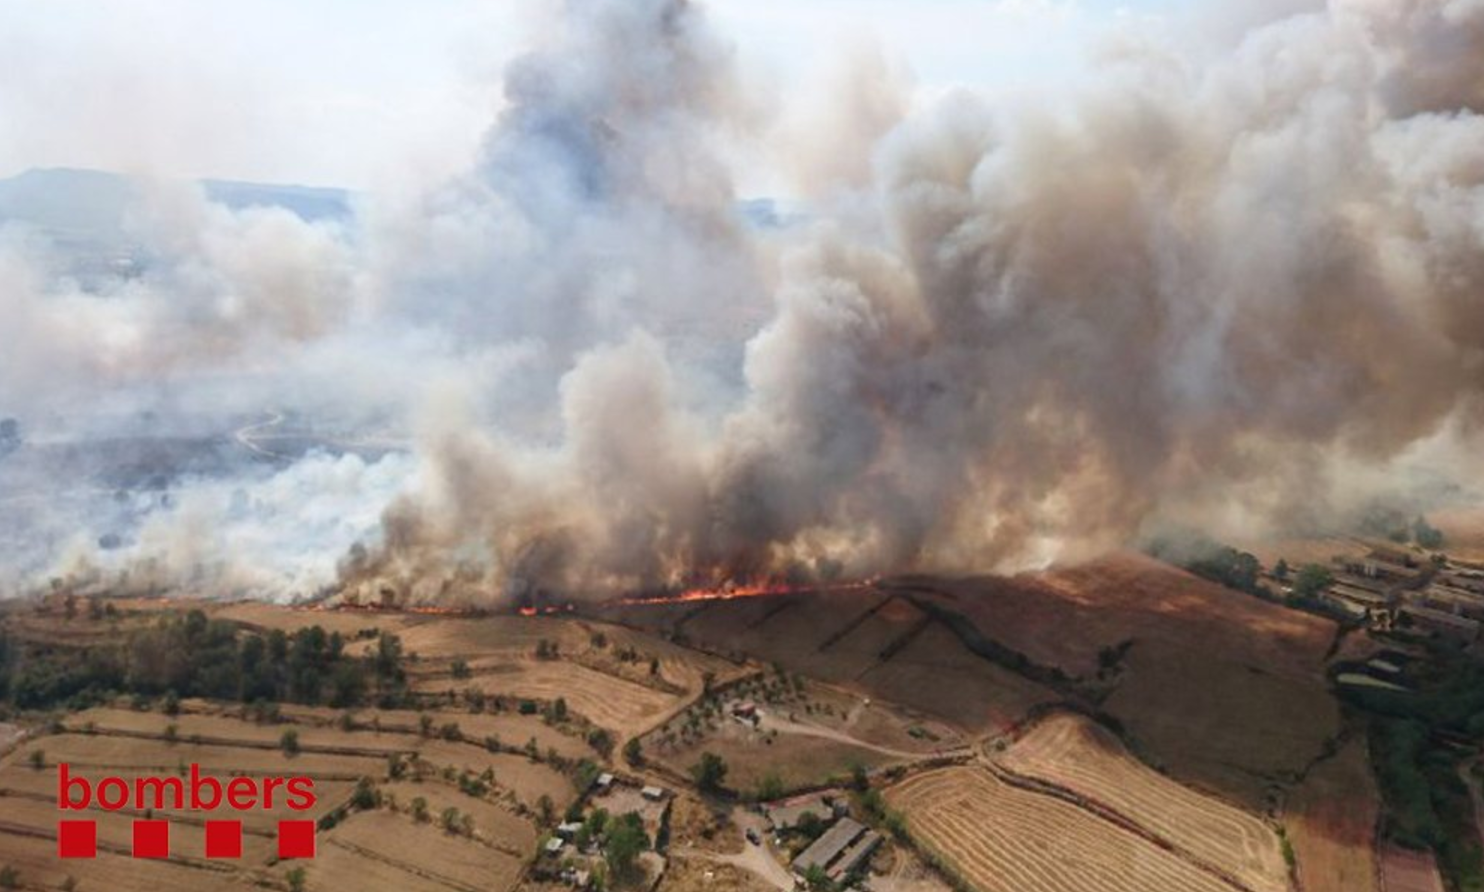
296 878
601 741
365 797
38 759
810 825
420 810
449 820
626 840
289 742
1427 535
633 752
1281 570
545 810
460 669
10 878
770 787
817 880
1310 581
709 772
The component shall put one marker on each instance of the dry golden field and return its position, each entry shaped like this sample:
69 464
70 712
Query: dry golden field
1003 839
608 701
390 851
1075 754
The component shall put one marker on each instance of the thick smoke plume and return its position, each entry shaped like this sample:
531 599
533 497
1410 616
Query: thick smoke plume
1235 286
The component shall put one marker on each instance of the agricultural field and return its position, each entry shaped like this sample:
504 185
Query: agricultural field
1331 821
1403 870
1463 532
608 701
1000 838
1075 754
387 850
937 674
528 780
33 856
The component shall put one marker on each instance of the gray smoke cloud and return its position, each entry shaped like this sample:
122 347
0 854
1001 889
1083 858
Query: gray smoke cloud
1235 284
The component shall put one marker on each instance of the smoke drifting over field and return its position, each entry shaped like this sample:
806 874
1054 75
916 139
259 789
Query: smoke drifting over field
1231 285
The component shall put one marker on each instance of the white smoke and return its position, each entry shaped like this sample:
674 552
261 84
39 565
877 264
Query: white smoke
1230 282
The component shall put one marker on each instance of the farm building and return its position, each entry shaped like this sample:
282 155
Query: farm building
653 794
745 711
1356 601
555 845
568 831
841 850
604 782
1459 602
1459 628
785 814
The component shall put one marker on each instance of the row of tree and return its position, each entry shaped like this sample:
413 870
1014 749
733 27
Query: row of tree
192 656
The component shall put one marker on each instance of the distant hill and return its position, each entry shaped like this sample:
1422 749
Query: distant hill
91 205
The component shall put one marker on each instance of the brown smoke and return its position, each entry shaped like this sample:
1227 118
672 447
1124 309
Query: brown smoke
1201 288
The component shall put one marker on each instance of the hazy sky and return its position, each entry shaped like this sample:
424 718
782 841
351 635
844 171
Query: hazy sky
359 92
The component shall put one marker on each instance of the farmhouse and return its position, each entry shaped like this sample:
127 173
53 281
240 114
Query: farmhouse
785 814
842 849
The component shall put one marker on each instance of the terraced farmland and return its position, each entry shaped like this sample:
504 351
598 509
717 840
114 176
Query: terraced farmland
1003 839
610 702
1078 755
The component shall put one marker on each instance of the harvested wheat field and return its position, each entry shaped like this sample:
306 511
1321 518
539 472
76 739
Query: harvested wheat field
607 701
494 824
1076 754
34 858
87 751
384 850
228 730
527 779
1331 821
1003 839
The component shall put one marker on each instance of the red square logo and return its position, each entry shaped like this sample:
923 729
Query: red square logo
295 839
224 839
151 839
77 839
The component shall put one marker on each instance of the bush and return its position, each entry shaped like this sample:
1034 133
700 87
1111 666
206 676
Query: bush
289 742
709 772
